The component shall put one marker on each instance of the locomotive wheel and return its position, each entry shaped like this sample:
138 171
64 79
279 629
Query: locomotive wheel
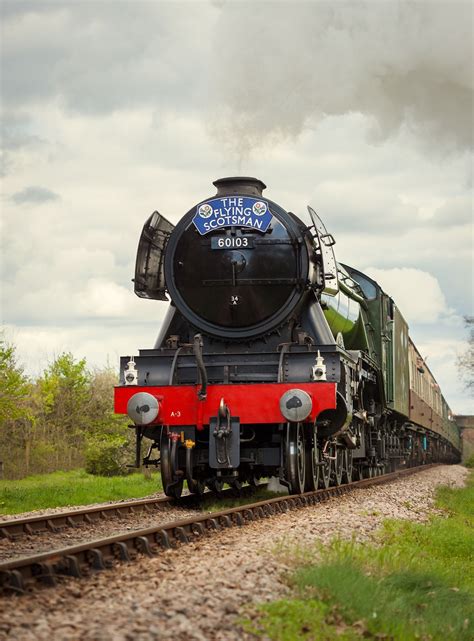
324 471
216 485
253 480
367 472
337 464
172 486
295 458
348 467
312 463
175 490
196 487
356 473
236 485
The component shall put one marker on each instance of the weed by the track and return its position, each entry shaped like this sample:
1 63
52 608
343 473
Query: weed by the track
64 489
300 620
417 585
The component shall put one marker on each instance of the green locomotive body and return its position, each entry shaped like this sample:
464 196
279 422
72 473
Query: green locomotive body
363 317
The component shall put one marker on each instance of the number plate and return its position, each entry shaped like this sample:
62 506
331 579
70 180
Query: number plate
231 242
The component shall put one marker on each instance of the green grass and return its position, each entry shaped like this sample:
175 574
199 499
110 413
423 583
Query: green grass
417 585
64 489
298 619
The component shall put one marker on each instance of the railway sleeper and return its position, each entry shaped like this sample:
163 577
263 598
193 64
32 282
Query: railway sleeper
198 529
45 573
143 546
101 557
96 560
13 581
162 538
72 567
180 534
239 519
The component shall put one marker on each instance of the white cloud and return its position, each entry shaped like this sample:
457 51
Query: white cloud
416 293
96 58
38 345
104 299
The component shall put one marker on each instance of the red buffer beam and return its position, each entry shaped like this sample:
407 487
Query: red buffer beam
253 404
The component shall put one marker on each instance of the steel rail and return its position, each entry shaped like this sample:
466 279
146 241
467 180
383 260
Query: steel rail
16 528
47 568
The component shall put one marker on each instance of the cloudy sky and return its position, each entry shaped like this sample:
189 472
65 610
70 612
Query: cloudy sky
114 109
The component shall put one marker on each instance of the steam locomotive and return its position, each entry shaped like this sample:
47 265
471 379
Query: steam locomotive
273 359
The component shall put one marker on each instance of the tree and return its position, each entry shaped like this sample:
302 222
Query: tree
466 359
14 385
108 448
17 420
62 395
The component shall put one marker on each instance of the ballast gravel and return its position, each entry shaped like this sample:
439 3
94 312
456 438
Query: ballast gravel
44 541
200 591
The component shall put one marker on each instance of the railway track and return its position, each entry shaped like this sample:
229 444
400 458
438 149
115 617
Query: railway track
21 574
16 528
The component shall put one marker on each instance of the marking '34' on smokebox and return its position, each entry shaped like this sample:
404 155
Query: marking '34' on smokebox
238 211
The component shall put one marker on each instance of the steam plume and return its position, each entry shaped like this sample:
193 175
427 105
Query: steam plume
281 67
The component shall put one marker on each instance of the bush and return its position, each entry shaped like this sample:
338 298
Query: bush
42 456
470 461
107 456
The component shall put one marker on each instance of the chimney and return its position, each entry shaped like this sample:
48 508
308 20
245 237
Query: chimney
239 185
